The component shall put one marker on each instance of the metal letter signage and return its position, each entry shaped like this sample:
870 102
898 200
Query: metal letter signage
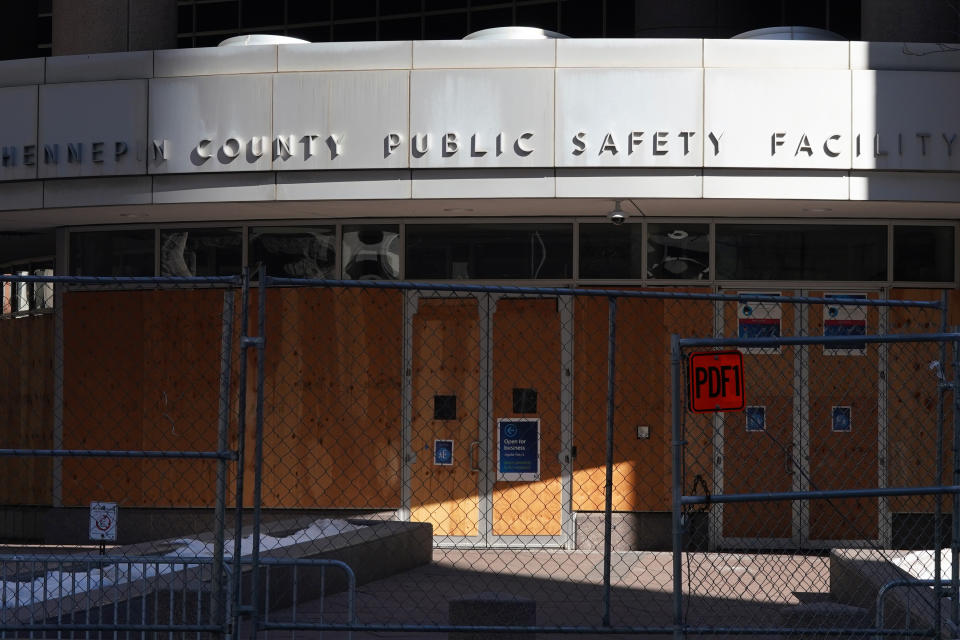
716 381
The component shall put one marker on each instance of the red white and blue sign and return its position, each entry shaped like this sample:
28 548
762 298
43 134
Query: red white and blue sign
845 320
759 320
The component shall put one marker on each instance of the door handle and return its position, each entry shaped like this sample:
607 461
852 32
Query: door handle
474 445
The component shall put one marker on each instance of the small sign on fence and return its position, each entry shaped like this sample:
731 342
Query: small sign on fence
716 381
103 521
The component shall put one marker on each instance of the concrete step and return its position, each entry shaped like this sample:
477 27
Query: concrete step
825 615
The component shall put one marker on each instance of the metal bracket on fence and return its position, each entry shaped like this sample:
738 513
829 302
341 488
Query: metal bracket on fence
937 366
252 341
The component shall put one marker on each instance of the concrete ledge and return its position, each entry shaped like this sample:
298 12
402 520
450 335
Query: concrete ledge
857 575
185 595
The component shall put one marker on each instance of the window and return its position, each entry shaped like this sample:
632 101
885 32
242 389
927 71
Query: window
489 251
923 254
25 298
121 252
371 252
294 252
609 251
201 252
801 252
678 251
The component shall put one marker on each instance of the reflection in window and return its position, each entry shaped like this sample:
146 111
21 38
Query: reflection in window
611 251
489 251
24 298
127 252
678 251
801 252
294 252
200 252
371 252
923 254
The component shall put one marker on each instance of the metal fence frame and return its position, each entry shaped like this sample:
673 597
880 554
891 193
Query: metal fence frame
680 500
229 573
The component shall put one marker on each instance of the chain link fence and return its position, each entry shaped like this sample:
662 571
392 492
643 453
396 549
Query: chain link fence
384 456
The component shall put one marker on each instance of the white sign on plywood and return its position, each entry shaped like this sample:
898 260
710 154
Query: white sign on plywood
103 521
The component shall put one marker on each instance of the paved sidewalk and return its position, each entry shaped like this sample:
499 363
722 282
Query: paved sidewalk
567 586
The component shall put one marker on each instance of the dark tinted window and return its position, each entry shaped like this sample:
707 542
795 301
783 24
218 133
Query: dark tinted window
294 252
344 9
445 26
308 10
678 251
185 19
354 31
619 19
581 19
441 5
543 16
400 29
112 253
489 251
490 18
923 254
261 13
217 16
200 252
395 7
801 252
611 251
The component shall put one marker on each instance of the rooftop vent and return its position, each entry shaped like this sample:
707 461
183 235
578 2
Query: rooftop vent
260 38
514 33
788 33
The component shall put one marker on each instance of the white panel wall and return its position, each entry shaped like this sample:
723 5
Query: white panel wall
581 118
92 129
341 120
212 124
629 118
476 118
18 133
906 120
777 118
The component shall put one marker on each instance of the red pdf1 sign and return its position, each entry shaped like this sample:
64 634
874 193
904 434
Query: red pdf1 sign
716 381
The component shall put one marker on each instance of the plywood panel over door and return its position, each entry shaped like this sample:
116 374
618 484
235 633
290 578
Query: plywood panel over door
26 407
333 382
762 460
180 394
912 403
842 381
527 355
103 377
640 466
446 362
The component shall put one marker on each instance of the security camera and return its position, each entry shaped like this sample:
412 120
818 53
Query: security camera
617 216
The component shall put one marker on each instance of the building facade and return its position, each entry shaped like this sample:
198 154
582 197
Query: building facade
688 164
